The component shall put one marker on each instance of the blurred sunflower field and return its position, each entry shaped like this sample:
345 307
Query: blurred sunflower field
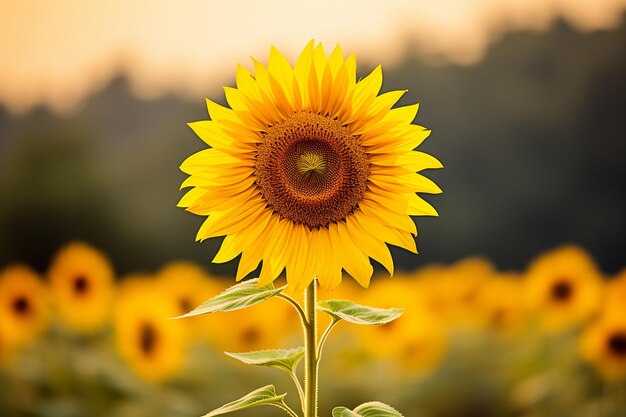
549 340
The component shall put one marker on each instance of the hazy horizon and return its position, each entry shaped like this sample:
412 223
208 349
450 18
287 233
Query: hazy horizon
72 49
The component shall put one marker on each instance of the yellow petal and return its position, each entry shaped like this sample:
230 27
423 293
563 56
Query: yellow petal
301 72
335 61
319 59
372 247
364 94
329 275
399 140
249 262
246 83
274 250
378 111
297 257
396 202
354 261
326 90
281 71
210 203
190 197
313 89
228 250
388 234
233 97
388 216
218 112
211 134
222 223
414 161
249 236
418 207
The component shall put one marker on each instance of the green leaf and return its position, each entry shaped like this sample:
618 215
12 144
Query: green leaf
262 396
285 359
376 409
343 412
371 409
359 314
242 295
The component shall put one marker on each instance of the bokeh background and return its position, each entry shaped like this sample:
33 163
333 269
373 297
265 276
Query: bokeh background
526 101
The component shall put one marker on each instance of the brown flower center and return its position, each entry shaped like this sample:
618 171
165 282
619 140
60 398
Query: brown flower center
148 339
562 290
185 305
311 170
251 336
21 306
617 344
81 285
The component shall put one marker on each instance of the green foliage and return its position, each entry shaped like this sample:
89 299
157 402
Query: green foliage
285 359
371 409
262 396
358 314
242 295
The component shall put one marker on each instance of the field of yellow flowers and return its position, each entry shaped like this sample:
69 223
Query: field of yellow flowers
473 341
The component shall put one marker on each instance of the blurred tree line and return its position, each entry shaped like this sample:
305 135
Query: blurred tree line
532 140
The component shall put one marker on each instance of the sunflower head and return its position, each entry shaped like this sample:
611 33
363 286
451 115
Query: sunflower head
563 287
24 307
82 286
416 340
189 286
258 327
309 170
458 291
603 344
152 345
500 303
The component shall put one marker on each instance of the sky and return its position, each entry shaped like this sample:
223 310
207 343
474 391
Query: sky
57 52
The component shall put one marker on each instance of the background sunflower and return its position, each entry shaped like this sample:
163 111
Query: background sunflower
24 308
604 344
81 284
153 345
564 288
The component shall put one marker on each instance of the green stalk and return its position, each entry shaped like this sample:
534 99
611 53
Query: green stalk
310 346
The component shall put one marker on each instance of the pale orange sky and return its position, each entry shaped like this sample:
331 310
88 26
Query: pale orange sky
56 52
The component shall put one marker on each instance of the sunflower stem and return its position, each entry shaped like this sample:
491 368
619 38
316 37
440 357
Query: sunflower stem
295 305
288 410
310 346
320 346
296 382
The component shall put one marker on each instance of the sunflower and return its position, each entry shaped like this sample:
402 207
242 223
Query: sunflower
416 339
453 292
262 326
310 171
603 344
500 303
189 286
24 309
422 343
82 287
563 287
152 344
